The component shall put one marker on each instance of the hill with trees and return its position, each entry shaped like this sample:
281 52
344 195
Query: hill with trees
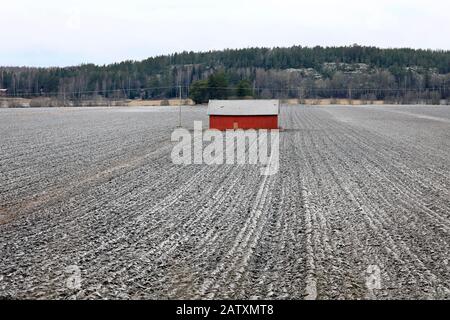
294 72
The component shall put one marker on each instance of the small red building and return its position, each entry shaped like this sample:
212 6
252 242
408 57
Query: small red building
243 114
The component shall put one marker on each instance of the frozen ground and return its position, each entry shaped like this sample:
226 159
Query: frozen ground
359 209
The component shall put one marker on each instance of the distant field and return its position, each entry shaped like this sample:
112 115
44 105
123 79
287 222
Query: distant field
360 191
46 102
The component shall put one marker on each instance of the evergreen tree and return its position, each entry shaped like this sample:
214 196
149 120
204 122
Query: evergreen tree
244 89
199 91
218 86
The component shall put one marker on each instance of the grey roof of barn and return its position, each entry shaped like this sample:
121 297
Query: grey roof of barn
243 107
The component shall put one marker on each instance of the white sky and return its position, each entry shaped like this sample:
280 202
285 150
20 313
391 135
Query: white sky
50 32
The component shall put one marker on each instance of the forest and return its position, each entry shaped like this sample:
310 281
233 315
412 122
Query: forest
353 72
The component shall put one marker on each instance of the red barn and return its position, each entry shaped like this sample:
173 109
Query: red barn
243 114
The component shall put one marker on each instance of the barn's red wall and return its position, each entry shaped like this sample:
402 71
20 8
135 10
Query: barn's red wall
243 122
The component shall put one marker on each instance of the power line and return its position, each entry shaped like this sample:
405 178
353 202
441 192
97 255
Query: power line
179 87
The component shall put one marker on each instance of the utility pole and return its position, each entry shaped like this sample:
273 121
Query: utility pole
179 88
179 110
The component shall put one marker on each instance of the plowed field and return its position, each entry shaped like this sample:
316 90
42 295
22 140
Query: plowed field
362 192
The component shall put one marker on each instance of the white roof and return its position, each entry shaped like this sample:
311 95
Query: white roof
243 107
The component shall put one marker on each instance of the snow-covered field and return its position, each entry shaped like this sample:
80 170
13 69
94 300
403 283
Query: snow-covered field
91 206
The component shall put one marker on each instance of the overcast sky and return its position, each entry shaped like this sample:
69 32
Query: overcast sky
51 33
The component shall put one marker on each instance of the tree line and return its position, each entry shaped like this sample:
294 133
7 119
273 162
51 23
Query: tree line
297 72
